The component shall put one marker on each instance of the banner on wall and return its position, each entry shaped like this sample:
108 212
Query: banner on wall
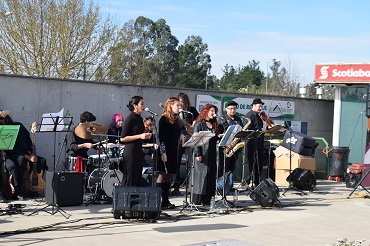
273 108
207 99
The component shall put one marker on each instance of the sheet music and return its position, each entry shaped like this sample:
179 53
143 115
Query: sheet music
199 139
48 121
229 135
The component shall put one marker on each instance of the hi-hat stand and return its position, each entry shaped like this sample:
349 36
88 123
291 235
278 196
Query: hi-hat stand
197 139
54 123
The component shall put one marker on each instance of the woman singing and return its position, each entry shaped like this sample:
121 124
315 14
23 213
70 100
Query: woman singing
204 179
169 130
133 135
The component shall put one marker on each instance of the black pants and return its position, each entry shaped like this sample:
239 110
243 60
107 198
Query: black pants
255 159
16 166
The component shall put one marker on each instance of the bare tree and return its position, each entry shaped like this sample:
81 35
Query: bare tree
53 38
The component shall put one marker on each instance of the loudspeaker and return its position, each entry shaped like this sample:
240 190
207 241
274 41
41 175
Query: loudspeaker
136 202
65 187
302 179
266 193
299 143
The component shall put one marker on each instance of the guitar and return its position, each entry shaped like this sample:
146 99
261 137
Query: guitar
7 187
35 181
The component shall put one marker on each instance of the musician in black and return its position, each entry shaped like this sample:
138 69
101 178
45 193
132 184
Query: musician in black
18 157
188 115
228 119
80 146
133 134
169 130
254 147
115 128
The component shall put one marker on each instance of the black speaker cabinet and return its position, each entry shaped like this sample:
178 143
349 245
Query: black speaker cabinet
302 179
266 193
65 187
136 202
299 143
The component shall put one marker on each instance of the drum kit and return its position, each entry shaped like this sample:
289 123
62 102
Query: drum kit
105 174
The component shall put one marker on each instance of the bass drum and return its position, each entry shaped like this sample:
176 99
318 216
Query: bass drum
104 180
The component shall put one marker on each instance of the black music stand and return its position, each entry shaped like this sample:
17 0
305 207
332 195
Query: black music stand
8 137
275 130
360 184
243 135
197 139
54 123
226 141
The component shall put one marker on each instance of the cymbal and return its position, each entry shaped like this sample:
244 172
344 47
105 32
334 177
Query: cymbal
90 130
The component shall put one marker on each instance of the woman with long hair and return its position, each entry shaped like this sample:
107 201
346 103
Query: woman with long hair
205 167
169 130
133 134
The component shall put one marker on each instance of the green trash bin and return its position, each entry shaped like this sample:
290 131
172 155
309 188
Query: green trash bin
338 161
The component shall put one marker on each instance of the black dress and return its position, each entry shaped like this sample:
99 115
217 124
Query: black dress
204 177
133 153
169 134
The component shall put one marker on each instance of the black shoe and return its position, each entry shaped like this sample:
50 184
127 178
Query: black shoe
167 205
20 198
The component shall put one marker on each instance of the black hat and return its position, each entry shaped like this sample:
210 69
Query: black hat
233 103
257 101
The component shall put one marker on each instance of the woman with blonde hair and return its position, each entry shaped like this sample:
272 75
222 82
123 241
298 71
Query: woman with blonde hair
169 130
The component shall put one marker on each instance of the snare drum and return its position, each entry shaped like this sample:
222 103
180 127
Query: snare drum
104 180
94 160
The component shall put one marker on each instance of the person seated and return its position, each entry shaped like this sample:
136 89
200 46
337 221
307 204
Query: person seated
21 157
115 128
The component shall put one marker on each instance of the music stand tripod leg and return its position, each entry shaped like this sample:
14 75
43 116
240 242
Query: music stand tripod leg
360 184
190 204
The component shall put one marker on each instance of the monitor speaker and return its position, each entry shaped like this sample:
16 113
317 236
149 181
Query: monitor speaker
64 188
266 193
302 179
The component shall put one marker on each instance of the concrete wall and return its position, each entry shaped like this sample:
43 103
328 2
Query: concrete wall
29 98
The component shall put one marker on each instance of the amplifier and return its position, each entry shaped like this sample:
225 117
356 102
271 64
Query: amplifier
64 188
136 202
299 143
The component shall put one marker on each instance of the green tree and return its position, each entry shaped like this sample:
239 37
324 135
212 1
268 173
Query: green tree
144 54
48 38
194 64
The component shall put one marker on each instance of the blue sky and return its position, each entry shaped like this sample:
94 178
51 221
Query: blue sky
300 33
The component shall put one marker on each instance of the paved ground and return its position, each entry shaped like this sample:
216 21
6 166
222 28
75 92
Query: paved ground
318 218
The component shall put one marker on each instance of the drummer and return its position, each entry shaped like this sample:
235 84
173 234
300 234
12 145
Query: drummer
115 128
80 145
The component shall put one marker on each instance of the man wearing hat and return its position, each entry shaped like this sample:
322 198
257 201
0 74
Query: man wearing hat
254 147
228 119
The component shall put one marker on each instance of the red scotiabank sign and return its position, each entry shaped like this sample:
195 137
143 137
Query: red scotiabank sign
342 73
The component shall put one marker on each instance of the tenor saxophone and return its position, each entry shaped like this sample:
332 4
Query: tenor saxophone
236 143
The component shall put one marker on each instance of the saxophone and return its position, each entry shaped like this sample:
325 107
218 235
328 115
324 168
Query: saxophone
236 143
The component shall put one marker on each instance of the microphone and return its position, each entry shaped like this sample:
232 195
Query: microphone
184 111
149 111
160 105
216 116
